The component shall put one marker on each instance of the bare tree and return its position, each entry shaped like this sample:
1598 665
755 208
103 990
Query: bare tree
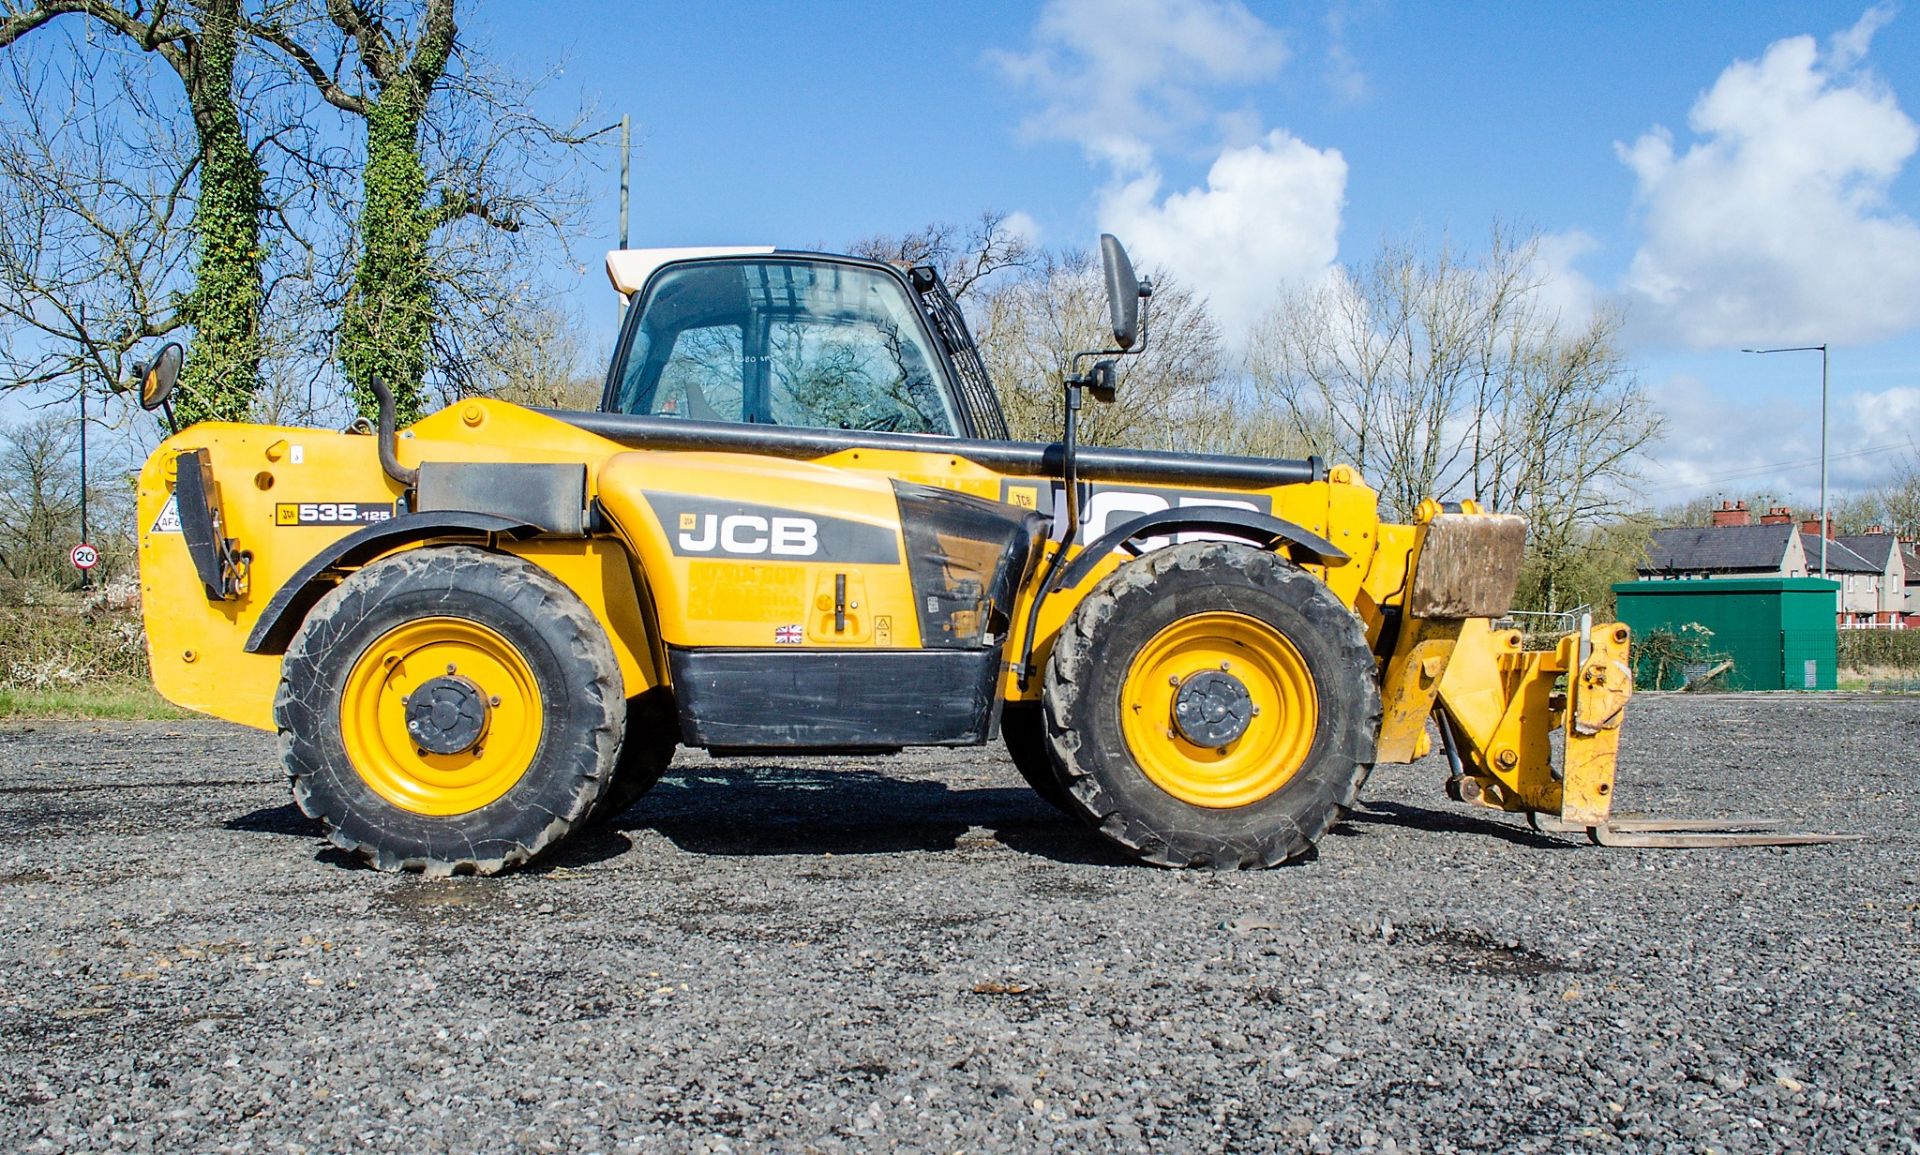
458 176
1030 327
965 257
95 228
40 505
200 43
547 367
1442 377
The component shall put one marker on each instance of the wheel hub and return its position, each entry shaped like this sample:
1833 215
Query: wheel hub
447 715
1212 708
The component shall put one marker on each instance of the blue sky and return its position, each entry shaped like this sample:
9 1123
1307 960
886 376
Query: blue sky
1733 174
1730 174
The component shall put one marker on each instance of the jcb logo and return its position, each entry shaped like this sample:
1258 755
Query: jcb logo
749 534
703 527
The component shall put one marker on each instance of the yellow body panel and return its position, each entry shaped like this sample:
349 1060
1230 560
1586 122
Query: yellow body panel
197 646
716 598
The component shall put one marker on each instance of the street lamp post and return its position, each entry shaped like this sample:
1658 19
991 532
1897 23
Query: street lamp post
1822 349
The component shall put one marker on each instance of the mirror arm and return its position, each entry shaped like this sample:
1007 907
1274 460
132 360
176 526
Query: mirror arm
1146 303
1069 444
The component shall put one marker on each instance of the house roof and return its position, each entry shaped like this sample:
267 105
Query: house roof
1717 548
1840 559
1911 561
1874 547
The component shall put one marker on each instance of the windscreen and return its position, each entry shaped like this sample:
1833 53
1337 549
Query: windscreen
782 342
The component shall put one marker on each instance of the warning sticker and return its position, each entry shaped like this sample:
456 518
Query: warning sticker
169 519
332 512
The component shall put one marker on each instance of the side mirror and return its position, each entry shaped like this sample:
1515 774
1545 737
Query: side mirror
156 384
1123 292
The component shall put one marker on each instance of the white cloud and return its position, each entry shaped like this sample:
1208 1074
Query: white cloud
1344 76
1022 225
1564 290
1774 225
1732 446
1121 77
1268 216
1128 79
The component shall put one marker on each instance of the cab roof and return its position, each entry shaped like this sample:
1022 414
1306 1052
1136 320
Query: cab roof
629 269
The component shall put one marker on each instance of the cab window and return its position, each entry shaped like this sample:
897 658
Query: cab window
812 344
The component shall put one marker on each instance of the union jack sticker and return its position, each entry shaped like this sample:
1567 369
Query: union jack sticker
788 635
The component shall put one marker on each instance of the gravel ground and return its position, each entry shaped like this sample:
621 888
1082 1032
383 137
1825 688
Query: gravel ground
915 954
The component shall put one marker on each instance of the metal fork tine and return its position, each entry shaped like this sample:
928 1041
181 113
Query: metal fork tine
1677 825
1651 840
1641 832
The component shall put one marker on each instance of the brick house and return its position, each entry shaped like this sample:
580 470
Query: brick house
1881 549
1735 545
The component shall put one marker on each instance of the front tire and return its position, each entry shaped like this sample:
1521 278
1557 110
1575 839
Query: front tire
449 710
1212 704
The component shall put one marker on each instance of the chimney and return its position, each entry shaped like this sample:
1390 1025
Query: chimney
1778 515
1732 513
1876 531
1812 526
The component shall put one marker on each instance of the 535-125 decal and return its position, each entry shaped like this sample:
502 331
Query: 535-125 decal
332 512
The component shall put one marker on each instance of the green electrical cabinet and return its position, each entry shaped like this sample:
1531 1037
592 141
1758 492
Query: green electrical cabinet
1780 633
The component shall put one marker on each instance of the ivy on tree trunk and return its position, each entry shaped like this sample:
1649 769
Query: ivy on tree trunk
389 311
222 371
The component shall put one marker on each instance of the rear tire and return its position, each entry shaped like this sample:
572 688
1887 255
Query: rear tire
1024 730
1220 631
449 710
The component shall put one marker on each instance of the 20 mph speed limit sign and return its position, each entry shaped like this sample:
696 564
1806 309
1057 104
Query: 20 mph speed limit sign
84 557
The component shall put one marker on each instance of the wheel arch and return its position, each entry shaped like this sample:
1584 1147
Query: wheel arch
600 570
1247 525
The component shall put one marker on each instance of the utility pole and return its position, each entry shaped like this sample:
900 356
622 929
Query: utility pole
86 576
626 164
626 156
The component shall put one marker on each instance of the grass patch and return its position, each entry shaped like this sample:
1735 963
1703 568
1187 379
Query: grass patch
116 701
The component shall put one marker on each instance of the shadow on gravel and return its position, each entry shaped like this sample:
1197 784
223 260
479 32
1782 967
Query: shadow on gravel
1446 822
282 819
766 810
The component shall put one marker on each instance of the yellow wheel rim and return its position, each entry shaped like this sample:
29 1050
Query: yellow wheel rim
390 758
1278 686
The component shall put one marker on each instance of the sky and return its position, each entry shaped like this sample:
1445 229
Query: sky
1732 175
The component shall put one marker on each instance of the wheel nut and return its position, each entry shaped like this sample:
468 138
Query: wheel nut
450 667
1173 679
1226 665
494 701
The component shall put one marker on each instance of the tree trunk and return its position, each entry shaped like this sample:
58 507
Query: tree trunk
222 370
389 312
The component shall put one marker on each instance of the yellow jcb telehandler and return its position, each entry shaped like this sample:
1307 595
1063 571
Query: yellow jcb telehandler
797 523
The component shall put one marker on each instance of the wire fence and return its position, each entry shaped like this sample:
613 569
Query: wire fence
1541 630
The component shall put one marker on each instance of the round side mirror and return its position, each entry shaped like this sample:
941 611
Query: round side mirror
1123 292
157 384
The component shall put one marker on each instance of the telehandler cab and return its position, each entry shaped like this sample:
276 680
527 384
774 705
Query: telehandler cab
797 523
